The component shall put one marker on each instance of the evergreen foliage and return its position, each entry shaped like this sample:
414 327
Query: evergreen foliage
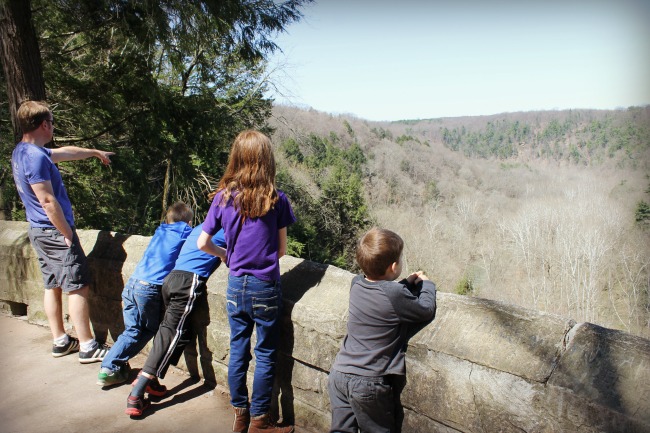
382 133
465 286
331 219
642 213
405 138
577 136
432 192
165 85
498 139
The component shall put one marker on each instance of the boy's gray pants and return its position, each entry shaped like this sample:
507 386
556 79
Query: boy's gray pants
366 404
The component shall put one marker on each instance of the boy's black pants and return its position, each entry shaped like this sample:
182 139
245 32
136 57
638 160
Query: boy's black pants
180 291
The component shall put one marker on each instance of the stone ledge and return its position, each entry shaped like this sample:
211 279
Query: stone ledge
480 366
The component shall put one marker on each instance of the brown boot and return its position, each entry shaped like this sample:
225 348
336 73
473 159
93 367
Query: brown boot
263 424
242 419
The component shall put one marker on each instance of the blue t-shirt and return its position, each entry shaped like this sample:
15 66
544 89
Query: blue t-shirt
160 256
254 250
192 259
33 164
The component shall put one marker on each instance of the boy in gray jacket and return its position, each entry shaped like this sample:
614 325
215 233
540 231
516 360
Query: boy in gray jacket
369 371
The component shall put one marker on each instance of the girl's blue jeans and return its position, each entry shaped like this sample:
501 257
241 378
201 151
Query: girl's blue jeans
252 303
142 303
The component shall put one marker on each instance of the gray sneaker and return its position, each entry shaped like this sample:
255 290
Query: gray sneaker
108 377
94 355
72 346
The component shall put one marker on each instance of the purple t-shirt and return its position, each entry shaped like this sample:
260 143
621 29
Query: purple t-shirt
33 164
254 251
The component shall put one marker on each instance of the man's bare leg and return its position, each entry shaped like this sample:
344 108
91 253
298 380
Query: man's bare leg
78 308
54 311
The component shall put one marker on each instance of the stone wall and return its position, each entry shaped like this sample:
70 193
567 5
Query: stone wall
481 366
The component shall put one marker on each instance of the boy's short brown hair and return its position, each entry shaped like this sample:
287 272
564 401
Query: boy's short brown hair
31 114
179 211
377 250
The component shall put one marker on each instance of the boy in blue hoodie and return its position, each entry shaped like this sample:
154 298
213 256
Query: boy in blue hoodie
183 289
142 298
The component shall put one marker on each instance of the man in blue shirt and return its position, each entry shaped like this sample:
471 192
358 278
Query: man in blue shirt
52 231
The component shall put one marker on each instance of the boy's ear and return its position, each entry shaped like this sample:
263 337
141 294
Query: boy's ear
393 268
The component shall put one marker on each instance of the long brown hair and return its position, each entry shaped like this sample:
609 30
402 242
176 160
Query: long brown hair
250 176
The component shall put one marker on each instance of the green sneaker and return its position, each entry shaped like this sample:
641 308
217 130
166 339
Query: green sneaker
107 377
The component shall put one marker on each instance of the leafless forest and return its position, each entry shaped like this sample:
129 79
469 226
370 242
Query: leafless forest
547 231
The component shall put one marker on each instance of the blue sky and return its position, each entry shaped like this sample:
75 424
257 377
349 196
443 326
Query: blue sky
408 59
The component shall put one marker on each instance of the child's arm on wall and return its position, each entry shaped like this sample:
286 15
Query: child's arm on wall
205 244
422 288
412 308
410 283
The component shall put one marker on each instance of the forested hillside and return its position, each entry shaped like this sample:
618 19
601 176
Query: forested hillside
548 210
584 137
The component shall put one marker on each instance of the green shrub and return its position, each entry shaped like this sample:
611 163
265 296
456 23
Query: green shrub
465 286
642 213
431 191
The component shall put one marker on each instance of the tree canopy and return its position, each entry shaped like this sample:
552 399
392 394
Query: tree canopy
166 85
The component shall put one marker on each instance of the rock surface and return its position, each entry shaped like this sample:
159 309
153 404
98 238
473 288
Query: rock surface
480 366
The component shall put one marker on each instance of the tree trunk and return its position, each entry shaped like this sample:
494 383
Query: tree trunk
166 188
21 57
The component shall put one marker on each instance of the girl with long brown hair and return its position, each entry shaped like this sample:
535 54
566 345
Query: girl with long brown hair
254 216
